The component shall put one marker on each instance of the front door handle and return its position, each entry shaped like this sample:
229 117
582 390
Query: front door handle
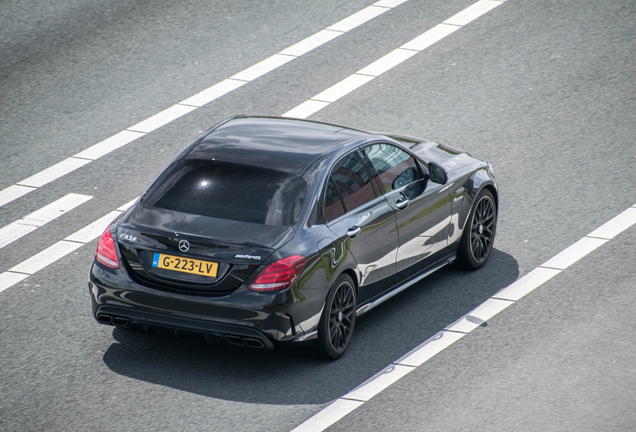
353 231
402 203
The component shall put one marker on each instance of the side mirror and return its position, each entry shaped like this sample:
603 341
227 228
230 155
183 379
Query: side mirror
436 173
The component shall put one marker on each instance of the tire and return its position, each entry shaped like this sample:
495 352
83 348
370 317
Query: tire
479 233
338 319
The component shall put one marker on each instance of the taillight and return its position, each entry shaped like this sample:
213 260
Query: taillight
279 275
106 253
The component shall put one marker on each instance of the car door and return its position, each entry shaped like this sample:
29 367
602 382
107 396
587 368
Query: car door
422 207
362 218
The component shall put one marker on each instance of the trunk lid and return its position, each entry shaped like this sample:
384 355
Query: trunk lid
148 236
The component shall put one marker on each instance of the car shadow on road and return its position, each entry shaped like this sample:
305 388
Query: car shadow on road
295 376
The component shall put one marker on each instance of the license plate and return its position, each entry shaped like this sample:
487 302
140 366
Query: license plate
185 265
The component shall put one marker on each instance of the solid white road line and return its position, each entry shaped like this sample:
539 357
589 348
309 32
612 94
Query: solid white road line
392 59
41 217
186 106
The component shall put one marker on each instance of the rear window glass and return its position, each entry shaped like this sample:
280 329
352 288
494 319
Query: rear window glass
229 191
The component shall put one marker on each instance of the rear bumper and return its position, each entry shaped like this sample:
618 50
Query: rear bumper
232 334
243 317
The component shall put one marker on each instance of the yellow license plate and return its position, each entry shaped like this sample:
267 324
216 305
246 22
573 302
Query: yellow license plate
185 265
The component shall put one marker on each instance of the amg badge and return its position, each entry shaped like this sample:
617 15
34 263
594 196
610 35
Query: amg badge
256 257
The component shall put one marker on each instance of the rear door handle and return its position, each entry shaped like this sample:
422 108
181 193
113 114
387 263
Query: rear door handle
402 203
353 231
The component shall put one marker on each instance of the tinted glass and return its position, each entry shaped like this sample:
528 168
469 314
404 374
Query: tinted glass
395 167
229 191
353 182
333 205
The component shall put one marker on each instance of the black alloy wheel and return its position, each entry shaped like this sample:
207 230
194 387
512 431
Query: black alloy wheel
338 319
479 233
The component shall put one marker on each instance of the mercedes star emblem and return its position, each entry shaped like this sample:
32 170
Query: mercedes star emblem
184 246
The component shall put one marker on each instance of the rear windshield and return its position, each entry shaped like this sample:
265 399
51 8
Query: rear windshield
229 191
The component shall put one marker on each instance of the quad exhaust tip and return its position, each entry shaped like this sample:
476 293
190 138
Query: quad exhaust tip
113 320
244 341
231 339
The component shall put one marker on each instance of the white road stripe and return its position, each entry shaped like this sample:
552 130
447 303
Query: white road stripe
617 225
527 284
311 43
387 62
216 91
442 340
306 109
206 96
263 67
328 416
8 279
59 250
479 315
358 18
47 257
127 205
378 382
54 172
161 119
472 12
390 60
389 3
343 88
13 192
573 253
428 38
41 217
108 145
93 230
429 348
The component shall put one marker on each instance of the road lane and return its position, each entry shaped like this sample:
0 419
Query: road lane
62 370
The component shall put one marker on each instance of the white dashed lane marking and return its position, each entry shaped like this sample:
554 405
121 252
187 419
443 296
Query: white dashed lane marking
469 322
59 250
394 58
39 218
200 99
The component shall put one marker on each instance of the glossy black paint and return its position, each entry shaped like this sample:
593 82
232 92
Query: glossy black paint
394 245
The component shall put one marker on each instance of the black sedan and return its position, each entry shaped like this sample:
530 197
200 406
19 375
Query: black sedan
266 231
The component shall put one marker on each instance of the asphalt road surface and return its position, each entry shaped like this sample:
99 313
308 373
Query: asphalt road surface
544 90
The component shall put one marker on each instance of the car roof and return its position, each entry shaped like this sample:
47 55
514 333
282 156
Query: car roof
282 144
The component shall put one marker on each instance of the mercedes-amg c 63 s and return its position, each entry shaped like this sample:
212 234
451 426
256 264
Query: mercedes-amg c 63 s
266 231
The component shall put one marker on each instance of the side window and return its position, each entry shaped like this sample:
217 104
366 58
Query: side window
352 181
395 167
333 205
